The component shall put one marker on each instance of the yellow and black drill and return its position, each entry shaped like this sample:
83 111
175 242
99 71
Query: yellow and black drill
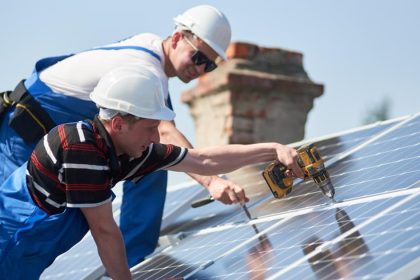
312 166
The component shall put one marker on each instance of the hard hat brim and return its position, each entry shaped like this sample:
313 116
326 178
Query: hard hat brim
165 114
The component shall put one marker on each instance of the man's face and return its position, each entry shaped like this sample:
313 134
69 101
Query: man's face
185 57
135 137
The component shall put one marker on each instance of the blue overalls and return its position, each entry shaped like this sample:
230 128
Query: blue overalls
30 240
142 206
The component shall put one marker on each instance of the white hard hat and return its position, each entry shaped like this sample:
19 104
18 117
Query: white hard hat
135 90
209 24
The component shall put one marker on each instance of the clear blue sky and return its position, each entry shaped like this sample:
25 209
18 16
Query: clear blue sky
362 51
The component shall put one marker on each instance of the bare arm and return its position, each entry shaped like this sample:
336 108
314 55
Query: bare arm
108 239
222 190
223 159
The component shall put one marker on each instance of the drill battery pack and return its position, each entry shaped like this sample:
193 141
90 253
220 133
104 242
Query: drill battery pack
279 184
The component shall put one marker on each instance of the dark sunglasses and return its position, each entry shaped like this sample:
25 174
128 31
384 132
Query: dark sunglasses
199 58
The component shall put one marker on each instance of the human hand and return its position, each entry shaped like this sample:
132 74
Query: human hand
226 191
288 157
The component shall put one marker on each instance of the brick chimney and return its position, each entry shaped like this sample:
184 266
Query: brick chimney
259 95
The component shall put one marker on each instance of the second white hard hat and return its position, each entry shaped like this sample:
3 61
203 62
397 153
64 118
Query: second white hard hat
135 90
209 24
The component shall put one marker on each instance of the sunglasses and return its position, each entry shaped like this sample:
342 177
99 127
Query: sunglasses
199 58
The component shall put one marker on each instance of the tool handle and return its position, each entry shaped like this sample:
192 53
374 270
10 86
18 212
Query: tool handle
202 201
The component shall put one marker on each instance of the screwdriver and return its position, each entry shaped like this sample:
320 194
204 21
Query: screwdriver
207 200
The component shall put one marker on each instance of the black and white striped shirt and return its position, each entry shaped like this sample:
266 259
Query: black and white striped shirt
75 165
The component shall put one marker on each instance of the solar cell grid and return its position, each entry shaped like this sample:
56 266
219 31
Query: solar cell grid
360 254
371 232
178 199
250 179
388 243
199 250
351 241
286 243
369 171
334 145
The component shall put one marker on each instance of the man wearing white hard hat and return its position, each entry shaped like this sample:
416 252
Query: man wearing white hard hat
58 92
49 203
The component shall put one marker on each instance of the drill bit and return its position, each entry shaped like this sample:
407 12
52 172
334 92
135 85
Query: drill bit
327 189
206 200
248 214
261 237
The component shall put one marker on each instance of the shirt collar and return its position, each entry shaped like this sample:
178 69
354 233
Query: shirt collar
114 163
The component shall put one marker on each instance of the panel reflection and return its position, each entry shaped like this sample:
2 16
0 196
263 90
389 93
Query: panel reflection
334 263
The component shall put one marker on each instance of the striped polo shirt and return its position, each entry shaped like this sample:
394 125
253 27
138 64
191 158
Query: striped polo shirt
75 165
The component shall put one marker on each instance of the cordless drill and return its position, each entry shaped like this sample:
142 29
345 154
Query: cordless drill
312 166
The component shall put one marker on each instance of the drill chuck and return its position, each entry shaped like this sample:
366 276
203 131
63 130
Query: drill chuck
313 167
327 189
323 181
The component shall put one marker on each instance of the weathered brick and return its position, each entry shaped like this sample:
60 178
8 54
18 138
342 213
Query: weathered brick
242 50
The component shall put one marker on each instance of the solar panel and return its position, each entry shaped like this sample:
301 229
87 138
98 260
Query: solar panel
326 240
375 170
178 199
371 232
382 166
250 178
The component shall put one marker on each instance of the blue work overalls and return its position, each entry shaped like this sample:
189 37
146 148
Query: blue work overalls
142 205
30 239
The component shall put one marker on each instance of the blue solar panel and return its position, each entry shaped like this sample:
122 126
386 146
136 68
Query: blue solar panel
375 220
289 243
384 165
370 232
250 178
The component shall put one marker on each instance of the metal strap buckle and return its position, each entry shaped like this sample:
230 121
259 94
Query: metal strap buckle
6 99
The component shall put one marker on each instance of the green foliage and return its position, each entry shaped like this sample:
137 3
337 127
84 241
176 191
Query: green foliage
378 112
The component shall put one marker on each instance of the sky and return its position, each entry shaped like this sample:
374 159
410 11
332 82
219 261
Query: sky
361 51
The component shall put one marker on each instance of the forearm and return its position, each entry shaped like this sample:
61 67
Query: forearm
112 252
224 159
108 239
228 158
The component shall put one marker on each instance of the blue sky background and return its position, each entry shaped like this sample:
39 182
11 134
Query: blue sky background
362 51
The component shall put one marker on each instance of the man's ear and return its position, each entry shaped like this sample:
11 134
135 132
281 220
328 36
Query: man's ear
117 124
176 37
